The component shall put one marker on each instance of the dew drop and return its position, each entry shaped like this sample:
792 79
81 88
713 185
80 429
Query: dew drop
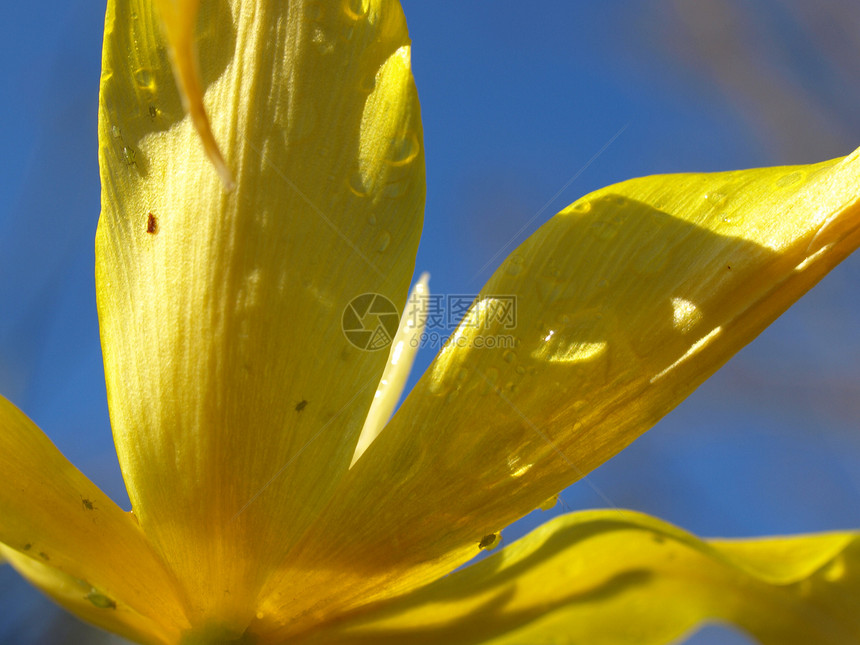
582 206
144 79
314 11
549 504
397 188
510 356
836 570
367 82
607 228
382 241
356 9
715 198
371 219
404 149
490 378
357 185
116 132
789 179
514 265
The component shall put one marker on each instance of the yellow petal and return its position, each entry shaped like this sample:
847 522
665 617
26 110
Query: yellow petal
52 513
87 602
178 18
625 302
404 348
235 396
616 577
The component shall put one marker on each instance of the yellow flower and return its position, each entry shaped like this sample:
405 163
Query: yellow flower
238 403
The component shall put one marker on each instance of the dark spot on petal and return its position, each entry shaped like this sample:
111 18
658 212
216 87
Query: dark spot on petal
153 112
301 405
489 541
87 504
44 555
28 546
151 224
100 600
729 267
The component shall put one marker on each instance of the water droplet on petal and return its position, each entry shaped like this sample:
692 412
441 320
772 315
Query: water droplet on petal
396 188
367 82
549 504
382 241
490 378
715 198
144 79
357 185
514 265
404 149
356 9
607 228
582 206
789 179
314 11
510 356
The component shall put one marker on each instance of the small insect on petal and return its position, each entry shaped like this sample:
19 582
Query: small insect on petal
489 542
100 600
301 405
151 224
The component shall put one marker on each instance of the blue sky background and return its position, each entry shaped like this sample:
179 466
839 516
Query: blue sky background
515 104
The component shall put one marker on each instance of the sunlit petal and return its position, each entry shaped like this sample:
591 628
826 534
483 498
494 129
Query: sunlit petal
235 396
625 302
404 348
178 18
50 512
88 602
617 577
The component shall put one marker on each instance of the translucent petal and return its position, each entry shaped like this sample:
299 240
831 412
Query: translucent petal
624 303
87 602
51 513
617 577
235 395
178 18
404 348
